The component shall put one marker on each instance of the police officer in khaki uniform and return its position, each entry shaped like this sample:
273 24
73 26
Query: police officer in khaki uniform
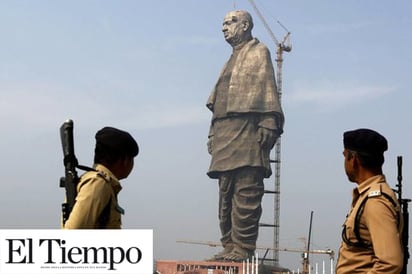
371 236
96 202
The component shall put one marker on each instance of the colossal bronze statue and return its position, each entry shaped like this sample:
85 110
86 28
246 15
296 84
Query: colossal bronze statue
246 122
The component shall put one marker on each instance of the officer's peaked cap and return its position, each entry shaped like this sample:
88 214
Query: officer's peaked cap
365 140
117 140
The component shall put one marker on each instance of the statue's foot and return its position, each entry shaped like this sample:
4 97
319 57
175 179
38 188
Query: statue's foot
220 256
238 254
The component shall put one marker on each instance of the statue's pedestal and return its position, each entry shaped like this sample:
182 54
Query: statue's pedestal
200 267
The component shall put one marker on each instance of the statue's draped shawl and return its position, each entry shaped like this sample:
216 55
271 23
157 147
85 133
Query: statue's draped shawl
252 102
252 86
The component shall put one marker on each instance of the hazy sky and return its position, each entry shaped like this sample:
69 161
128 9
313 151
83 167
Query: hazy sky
148 67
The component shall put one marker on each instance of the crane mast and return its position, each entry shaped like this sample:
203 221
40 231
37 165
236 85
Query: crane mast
280 48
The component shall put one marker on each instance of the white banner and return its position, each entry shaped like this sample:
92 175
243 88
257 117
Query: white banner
57 251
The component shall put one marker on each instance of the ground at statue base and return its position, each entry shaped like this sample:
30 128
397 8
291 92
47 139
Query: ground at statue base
208 267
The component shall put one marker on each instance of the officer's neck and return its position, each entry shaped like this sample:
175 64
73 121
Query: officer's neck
365 174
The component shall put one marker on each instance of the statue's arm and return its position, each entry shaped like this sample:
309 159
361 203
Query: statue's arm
269 130
210 139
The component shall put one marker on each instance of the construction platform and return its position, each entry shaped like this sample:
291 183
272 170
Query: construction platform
209 267
200 267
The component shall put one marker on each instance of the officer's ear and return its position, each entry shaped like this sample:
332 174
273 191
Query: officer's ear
351 154
355 161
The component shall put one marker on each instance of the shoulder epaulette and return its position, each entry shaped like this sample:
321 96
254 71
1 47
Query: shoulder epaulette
104 175
95 173
374 193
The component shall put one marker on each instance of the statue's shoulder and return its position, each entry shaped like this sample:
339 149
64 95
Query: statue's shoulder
258 49
255 44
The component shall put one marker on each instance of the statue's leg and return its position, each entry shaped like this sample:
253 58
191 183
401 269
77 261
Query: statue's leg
246 212
225 209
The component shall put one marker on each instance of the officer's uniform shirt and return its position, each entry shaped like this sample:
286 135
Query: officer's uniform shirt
380 225
97 193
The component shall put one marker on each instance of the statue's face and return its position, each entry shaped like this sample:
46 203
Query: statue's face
233 28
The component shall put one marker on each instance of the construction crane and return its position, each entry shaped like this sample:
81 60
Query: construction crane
305 269
283 46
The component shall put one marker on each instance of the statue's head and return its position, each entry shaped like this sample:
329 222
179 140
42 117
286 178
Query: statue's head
237 27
